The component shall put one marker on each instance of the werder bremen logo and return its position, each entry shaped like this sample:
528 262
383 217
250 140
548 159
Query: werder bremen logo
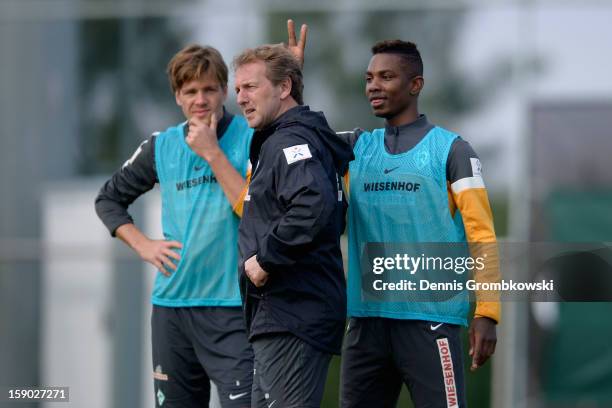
160 397
422 159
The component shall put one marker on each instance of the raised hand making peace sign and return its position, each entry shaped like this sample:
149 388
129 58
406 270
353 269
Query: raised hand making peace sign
297 47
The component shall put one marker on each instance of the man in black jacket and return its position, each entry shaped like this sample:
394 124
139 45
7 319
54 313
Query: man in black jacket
292 280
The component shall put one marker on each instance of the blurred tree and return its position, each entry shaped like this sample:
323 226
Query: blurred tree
123 86
125 97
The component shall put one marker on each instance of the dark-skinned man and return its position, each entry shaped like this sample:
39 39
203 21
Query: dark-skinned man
411 182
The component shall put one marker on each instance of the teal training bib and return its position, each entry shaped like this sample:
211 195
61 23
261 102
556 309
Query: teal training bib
399 207
196 213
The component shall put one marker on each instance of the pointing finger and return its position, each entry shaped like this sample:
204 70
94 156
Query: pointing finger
213 122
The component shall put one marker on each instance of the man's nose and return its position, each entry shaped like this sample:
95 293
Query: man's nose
372 86
200 99
240 98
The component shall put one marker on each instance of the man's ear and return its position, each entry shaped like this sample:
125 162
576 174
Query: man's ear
416 85
286 86
176 98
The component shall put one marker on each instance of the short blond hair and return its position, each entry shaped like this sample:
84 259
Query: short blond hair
280 65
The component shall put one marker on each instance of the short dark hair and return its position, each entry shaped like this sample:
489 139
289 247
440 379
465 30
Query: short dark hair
405 49
280 65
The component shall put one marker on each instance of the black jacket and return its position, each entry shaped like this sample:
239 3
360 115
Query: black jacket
293 217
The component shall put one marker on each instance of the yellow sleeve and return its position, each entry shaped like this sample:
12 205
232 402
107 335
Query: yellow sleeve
239 204
473 204
346 179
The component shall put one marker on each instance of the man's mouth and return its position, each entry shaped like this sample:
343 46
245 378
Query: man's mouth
377 101
248 111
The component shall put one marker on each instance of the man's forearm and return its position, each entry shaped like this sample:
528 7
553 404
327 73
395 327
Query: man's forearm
228 177
132 236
